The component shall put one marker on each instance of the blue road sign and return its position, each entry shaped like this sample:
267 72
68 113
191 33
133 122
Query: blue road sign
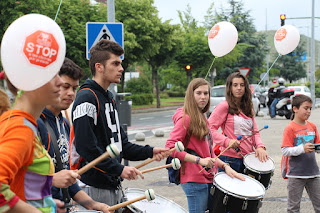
103 30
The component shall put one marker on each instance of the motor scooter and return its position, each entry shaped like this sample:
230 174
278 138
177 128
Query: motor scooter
283 107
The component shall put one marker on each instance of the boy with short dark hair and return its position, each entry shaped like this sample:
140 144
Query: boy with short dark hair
301 168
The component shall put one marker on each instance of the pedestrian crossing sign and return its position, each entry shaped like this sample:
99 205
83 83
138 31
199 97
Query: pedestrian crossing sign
103 30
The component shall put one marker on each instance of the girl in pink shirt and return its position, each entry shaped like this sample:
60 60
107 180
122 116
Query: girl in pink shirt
235 117
192 128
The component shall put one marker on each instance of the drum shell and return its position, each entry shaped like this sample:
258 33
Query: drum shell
263 176
265 179
232 204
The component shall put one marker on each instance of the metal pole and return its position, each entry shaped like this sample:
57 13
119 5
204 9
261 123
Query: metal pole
111 18
267 48
312 77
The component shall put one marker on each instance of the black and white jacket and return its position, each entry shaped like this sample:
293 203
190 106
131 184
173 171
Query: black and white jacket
96 125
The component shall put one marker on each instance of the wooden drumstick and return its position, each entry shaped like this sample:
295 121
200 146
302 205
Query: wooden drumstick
177 146
112 151
175 164
148 194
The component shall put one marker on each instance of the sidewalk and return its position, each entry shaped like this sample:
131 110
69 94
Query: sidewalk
275 199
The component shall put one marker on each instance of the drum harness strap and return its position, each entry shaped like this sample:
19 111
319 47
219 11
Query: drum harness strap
59 166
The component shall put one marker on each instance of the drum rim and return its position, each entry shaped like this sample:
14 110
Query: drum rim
254 170
156 195
237 195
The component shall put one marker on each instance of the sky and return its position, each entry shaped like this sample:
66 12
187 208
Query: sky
261 11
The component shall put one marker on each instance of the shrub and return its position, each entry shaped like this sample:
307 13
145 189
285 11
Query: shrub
176 93
140 99
139 85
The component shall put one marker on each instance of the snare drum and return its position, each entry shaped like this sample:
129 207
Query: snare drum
261 171
158 205
236 196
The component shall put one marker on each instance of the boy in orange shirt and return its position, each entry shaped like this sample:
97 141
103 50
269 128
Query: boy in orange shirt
301 167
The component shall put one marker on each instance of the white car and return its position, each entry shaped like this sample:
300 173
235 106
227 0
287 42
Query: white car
301 90
218 95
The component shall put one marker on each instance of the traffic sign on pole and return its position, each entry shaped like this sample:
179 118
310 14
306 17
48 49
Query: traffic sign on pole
274 80
103 30
244 71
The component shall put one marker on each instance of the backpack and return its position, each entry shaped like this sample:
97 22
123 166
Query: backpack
174 175
74 158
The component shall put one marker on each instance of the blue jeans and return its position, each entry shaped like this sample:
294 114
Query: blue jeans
198 195
235 163
273 107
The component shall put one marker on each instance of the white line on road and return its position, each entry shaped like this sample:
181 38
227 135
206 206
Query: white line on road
146 118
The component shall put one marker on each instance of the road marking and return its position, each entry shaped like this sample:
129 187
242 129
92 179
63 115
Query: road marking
146 118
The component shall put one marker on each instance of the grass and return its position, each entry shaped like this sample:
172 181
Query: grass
171 101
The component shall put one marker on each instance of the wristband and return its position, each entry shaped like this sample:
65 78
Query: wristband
224 166
197 160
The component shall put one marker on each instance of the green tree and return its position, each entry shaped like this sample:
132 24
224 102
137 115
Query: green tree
290 66
252 45
72 19
195 50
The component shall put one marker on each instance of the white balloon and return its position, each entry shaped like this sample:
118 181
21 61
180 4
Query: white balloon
33 49
222 38
286 39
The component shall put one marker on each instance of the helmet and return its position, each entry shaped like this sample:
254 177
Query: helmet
281 81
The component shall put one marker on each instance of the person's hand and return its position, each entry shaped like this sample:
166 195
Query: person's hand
101 207
207 162
64 178
229 171
308 148
131 173
60 206
233 143
160 153
262 154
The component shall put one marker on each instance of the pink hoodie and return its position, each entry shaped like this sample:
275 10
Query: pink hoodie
201 147
233 126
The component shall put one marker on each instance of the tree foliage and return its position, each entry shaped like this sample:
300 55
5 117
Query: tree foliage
290 66
72 19
251 46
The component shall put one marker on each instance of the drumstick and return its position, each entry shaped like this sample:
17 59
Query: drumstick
238 138
177 146
148 194
175 164
112 151
243 139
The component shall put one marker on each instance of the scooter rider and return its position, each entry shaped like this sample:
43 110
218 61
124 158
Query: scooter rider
277 91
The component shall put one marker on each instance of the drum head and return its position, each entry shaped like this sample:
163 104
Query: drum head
160 204
250 188
252 162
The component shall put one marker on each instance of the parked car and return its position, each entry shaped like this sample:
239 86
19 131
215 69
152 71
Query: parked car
218 94
301 90
260 93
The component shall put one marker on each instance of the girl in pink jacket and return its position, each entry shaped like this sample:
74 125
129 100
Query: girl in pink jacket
235 116
192 128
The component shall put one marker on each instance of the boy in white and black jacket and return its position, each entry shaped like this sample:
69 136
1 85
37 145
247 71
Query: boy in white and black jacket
96 125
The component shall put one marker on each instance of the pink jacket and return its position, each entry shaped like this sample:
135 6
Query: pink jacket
201 147
233 126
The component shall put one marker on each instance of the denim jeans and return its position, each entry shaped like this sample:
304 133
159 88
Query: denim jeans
198 195
235 163
273 107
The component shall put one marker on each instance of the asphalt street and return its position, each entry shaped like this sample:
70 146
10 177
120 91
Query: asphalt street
275 198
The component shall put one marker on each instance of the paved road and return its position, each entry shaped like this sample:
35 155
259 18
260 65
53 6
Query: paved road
275 199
